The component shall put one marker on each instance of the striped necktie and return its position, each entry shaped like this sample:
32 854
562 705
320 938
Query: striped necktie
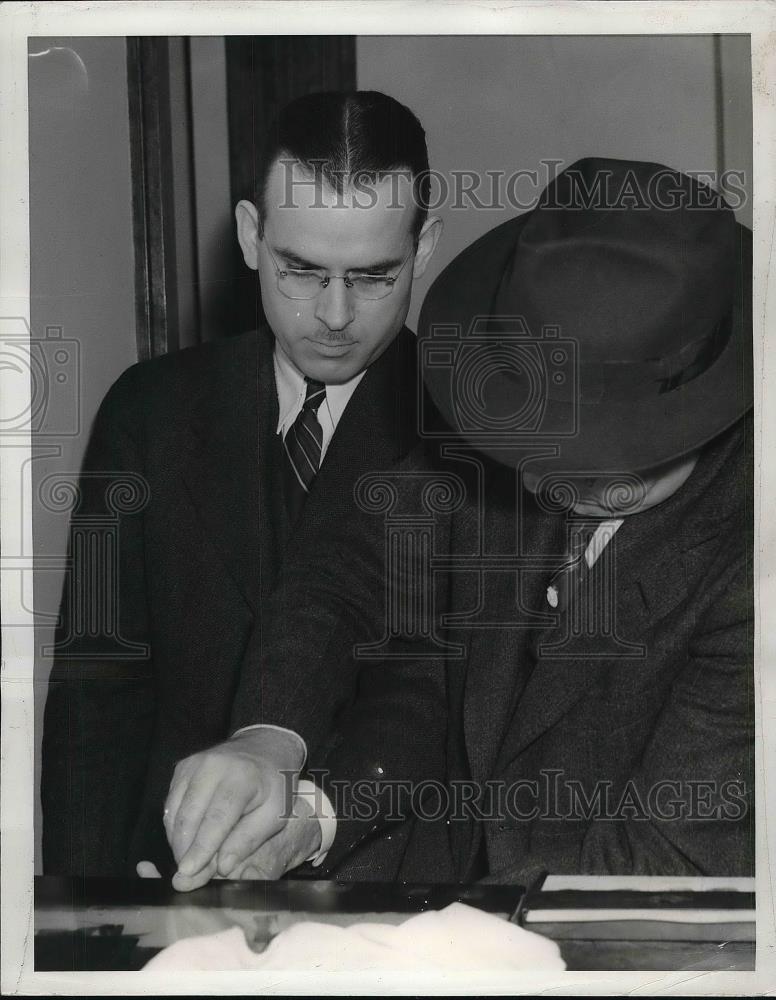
566 580
302 446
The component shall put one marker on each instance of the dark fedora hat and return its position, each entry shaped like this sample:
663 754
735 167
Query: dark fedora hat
611 324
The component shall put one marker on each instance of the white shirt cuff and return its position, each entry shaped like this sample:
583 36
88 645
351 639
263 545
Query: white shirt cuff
280 729
324 813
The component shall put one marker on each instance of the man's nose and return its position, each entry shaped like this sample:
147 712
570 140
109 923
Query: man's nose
334 305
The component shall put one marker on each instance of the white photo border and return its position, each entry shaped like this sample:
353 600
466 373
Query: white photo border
588 17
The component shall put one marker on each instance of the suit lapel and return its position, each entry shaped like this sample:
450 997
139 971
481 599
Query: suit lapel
497 665
494 665
568 667
497 668
650 556
231 468
228 469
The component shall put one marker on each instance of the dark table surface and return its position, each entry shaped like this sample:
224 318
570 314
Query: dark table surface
119 924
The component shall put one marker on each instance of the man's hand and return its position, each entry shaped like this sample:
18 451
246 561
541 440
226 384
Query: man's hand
299 839
226 802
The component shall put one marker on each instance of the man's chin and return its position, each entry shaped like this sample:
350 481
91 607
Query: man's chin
331 363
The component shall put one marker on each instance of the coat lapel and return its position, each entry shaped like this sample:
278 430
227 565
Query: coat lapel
231 468
228 469
652 556
569 667
378 426
497 667
493 673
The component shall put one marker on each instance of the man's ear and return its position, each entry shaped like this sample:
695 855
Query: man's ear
247 218
427 241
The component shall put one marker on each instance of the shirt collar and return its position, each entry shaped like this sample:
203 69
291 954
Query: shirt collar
602 536
291 389
290 386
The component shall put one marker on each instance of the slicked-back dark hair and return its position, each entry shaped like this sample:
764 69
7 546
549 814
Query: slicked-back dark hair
343 135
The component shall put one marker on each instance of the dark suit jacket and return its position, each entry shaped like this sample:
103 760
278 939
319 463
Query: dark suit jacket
656 716
197 576
666 734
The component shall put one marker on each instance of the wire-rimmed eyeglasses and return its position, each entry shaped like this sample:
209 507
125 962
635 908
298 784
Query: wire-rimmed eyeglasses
307 283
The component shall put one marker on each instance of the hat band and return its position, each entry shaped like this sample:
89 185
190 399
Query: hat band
620 380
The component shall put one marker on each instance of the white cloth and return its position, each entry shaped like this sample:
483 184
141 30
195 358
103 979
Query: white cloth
456 938
292 389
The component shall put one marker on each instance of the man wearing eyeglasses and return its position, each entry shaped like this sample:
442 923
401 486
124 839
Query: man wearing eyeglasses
250 446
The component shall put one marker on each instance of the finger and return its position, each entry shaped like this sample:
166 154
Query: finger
264 865
267 865
147 869
203 785
270 861
262 871
285 850
177 790
260 822
249 834
217 820
187 883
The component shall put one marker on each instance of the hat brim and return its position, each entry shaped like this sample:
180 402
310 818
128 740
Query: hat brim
630 435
